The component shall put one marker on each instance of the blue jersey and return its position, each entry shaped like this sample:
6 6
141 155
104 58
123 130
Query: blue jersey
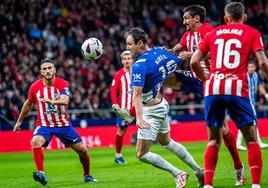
151 69
253 83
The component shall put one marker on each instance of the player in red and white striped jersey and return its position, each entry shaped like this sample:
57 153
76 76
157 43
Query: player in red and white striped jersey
121 96
226 87
197 29
51 95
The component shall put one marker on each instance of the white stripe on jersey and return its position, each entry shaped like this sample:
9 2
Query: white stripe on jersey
216 87
123 100
140 60
57 118
238 87
196 38
129 95
63 118
49 117
41 112
228 87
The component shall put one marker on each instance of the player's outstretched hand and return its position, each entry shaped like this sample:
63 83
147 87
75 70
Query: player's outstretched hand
16 128
45 100
142 124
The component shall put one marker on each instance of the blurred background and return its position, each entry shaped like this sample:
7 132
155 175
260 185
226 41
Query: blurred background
31 30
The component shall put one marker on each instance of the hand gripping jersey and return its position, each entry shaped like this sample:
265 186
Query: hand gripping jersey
151 69
50 115
120 89
190 40
230 47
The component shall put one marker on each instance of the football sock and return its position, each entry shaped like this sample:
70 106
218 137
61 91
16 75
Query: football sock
182 153
255 162
118 143
239 138
38 156
210 162
85 163
159 162
229 141
132 111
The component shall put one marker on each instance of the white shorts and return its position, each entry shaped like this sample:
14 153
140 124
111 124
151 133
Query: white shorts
157 117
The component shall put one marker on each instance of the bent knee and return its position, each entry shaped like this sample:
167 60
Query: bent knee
37 143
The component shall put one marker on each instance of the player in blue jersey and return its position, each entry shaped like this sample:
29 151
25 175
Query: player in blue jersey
254 85
152 67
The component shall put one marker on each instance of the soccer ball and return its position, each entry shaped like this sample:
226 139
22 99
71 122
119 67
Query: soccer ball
92 49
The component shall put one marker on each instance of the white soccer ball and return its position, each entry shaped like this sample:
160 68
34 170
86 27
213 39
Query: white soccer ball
92 49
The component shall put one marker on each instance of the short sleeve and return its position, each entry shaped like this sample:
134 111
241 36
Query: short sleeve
64 88
138 74
183 41
204 44
31 94
257 42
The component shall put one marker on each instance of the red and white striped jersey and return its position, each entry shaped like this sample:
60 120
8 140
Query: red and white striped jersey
230 47
120 89
190 40
49 115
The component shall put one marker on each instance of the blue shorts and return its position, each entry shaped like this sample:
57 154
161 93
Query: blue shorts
120 123
188 82
67 135
239 109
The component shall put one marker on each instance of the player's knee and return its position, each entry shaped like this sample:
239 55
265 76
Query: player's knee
36 143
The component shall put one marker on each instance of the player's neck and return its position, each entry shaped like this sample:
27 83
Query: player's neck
126 69
196 27
48 82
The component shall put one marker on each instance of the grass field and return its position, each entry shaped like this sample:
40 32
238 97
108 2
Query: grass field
63 169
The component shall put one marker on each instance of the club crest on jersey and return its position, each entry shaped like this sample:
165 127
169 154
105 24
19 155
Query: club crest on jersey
137 76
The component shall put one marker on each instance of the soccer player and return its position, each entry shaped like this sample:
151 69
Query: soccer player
197 28
226 86
51 95
254 85
121 98
152 67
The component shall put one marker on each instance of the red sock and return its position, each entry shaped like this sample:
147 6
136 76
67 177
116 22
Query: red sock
210 162
85 163
132 111
118 143
38 158
230 143
255 162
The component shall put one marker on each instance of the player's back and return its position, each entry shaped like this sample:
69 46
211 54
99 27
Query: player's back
230 47
151 69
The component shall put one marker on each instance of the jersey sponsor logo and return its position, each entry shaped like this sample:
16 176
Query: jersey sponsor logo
137 76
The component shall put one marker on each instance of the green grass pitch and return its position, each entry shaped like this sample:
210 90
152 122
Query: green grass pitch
63 169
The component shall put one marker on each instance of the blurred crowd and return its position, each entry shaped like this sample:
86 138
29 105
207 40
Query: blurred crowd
33 29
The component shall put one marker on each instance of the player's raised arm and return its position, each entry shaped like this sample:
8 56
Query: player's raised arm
24 112
263 62
195 64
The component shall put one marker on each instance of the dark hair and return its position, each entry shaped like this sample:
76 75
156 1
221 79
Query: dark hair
137 34
47 60
196 10
235 10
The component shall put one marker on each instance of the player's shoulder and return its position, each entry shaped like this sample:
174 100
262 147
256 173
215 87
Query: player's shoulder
206 27
119 72
37 83
60 81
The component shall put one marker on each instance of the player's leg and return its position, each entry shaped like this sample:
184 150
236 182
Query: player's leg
179 150
229 141
242 114
153 115
239 140
41 138
70 137
121 130
215 107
